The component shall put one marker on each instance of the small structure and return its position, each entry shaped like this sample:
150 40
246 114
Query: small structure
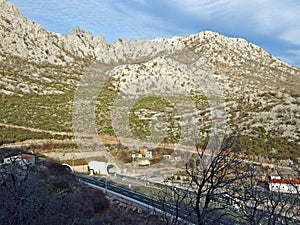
148 155
145 153
278 184
143 157
22 159
167 156
103 168
144 162
133 156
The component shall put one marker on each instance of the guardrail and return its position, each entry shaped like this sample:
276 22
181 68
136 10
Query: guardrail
187 215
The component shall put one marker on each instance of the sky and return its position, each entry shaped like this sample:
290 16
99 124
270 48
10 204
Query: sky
271 24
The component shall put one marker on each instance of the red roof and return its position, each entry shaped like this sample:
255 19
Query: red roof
26 156
281 181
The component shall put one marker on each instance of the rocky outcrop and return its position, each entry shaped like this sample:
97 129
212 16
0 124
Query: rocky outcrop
37 61
25 39
82 44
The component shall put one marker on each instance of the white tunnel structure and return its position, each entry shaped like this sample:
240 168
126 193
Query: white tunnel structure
68 167
103 168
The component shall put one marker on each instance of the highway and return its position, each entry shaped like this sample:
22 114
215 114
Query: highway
144 200
137 198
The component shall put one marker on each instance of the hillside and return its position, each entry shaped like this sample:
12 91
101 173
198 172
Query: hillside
41 71
48 193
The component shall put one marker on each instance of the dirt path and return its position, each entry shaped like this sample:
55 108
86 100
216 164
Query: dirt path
36 129
107 139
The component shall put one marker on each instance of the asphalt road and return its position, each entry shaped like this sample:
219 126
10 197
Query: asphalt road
138 198
113 188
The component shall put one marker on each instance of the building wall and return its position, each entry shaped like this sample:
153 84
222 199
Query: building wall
102 167
284 188
22 159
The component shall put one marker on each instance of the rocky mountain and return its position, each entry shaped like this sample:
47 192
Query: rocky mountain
26 39
41 70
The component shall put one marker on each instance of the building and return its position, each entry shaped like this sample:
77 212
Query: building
148 155
145 153
22 159
278 184
144 162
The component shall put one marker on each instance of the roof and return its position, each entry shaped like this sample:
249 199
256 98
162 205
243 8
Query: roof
282 181
26 156
22 156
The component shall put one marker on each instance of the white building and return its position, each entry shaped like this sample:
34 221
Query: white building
144 162
284 186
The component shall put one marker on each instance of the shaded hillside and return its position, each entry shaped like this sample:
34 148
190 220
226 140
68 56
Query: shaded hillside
47 193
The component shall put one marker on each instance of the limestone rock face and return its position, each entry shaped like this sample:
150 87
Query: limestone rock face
82 44
25 39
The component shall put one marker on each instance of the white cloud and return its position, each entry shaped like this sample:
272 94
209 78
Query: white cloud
141 2
113 19
202 8
277 16
138 24
292 36
266 17
258 20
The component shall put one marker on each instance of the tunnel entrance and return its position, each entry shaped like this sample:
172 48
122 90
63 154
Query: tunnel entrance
103 168
111 169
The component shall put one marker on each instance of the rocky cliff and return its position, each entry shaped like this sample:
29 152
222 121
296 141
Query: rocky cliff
26 39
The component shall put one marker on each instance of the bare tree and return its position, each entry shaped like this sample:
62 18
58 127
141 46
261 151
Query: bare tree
26 199
249 197
212 176
45 194
226 189
281 208
259 205
174 203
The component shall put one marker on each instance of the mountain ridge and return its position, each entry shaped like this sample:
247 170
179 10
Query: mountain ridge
38 66
88 44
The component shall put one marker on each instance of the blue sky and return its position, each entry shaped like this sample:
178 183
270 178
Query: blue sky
272 24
